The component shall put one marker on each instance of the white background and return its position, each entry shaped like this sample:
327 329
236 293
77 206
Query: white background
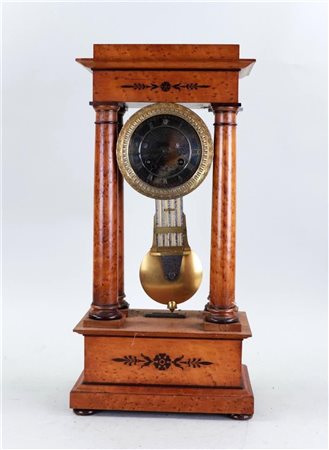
281 241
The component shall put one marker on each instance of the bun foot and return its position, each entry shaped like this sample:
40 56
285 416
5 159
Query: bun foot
84 412
240 416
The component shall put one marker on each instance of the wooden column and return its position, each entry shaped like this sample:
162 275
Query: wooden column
221 307
121 289
105 305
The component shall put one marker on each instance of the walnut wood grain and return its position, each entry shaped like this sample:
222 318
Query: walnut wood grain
105 305
221 307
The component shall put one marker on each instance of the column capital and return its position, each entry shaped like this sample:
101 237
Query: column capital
225 107
107 106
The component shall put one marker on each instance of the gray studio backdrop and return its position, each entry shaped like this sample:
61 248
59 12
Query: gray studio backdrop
48 136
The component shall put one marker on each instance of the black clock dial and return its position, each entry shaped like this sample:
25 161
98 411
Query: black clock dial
165 151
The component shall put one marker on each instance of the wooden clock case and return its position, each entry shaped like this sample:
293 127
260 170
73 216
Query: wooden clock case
133 362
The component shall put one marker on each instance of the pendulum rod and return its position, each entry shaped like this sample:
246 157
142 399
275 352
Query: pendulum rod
170 230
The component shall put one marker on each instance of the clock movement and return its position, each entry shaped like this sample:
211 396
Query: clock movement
169 358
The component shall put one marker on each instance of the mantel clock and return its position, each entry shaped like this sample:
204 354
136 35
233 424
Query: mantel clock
167 359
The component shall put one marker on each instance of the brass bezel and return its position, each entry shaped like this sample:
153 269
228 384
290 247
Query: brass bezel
123 146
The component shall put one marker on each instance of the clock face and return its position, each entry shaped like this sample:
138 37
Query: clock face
164 150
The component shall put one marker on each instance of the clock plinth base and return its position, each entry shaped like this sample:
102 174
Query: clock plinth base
151 364
238 403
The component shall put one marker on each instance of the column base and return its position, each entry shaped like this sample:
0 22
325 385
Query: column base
105 312
221 315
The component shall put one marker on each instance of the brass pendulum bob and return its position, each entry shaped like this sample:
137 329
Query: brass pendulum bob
171 274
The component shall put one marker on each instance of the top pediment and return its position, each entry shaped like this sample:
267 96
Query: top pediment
167 57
